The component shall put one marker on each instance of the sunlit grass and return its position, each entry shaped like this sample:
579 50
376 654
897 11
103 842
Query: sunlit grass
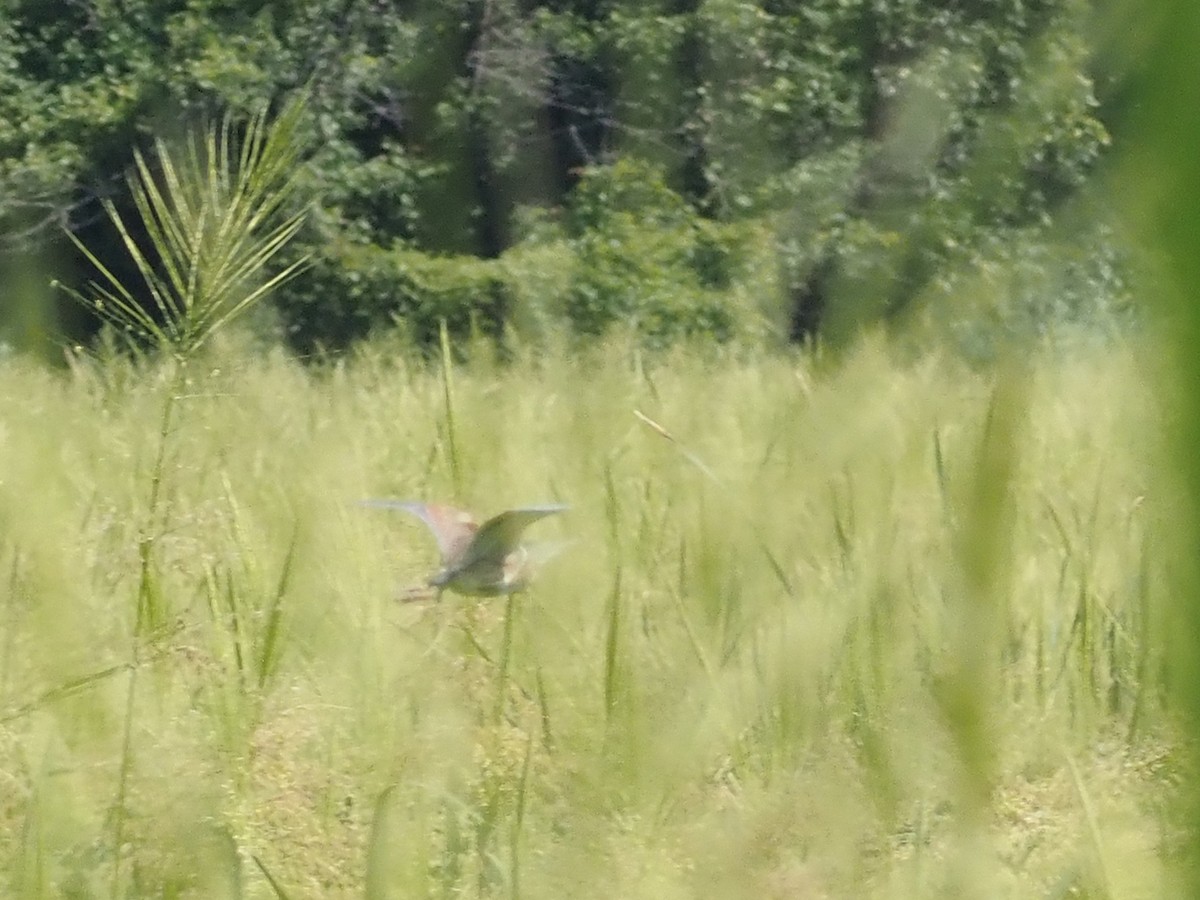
805 648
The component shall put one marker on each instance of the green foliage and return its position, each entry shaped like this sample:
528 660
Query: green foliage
782 83
631 252
435 124
646 261
1059 286
965 162
351 291
627 191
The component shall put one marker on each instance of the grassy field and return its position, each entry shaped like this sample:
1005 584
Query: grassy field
884 628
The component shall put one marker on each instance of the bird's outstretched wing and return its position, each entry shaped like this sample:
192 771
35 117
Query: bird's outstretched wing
501 535
453 528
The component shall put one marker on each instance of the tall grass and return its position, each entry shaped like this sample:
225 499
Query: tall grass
210 218
873 630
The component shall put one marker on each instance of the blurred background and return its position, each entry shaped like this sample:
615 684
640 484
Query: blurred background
775 172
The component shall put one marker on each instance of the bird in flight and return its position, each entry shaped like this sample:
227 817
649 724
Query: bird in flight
477 560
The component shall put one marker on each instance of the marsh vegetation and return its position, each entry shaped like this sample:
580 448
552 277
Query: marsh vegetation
894 638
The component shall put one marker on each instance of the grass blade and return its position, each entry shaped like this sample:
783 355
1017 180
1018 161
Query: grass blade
275 885
448 408
268 653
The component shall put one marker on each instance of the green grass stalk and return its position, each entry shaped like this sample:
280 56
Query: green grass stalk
148 617
518 820
506 649
270 644
1095 837
381 871
447 373
612 648
276 887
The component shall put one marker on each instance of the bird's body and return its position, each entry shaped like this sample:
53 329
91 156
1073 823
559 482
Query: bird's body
477 560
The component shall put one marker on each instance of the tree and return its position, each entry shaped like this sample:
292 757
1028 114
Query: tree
886 141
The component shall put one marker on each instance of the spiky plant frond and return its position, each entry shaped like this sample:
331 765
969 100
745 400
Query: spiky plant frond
209 220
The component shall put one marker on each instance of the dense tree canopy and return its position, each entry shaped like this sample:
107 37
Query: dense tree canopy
656 162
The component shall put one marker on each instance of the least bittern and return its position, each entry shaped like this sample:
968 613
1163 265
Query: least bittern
478 560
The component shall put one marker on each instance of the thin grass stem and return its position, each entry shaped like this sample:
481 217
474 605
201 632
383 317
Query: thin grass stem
510 611
447 366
